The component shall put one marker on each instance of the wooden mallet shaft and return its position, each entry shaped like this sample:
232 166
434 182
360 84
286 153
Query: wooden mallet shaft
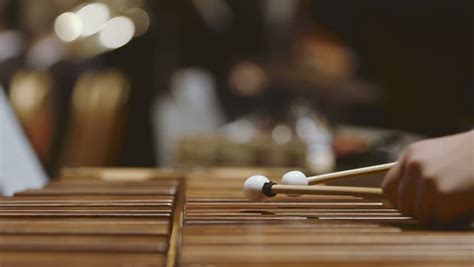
377 169
271 189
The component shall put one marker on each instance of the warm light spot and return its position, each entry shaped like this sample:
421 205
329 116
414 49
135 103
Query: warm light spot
68 26
116 32
93 17
247 78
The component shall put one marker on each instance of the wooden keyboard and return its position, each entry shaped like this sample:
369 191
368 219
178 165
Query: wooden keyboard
142 217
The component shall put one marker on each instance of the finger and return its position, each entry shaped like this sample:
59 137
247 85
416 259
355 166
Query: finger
424 203
449 209
407 190
391 181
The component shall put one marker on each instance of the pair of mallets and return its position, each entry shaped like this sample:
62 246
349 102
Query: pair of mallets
258 187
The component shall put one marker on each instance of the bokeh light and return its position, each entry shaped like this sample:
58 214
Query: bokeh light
140 18
281 134
117 32
68 26
93 17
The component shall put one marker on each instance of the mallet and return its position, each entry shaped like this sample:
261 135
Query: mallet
258 187
299 178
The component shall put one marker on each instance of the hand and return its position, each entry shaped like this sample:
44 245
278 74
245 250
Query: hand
433 180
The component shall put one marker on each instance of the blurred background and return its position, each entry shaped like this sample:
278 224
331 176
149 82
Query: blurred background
317 85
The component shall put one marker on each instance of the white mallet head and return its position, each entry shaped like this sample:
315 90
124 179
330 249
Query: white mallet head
294 178
253 187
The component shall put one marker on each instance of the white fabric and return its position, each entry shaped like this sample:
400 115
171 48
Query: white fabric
191 109
19 166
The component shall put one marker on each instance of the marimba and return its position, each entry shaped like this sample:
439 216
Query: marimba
142 217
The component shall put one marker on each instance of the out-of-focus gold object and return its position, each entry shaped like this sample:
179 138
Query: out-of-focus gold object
31 95
218 150
98 116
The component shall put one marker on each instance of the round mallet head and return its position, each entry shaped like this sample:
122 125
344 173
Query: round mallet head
253 187
294 178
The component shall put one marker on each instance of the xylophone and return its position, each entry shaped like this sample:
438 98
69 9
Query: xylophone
197 218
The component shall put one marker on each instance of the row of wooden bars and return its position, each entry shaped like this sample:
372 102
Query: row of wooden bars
197 218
